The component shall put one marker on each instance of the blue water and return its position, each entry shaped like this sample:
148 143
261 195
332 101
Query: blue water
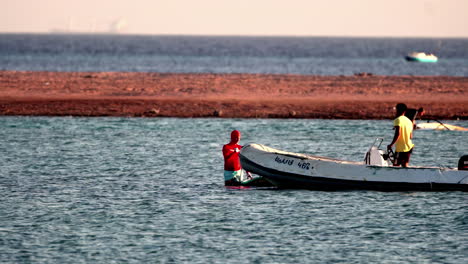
204 54
150 190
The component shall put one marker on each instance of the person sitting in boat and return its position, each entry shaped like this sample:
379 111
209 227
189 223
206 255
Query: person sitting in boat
233 173
403 127
420 112
413 114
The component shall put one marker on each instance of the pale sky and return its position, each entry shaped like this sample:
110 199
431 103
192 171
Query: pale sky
378 18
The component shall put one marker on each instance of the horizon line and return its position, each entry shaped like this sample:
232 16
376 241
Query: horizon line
228 35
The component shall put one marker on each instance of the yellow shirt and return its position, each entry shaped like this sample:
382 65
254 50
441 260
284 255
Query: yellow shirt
404 143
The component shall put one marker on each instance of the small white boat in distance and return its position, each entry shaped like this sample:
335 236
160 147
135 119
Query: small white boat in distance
421 57
300 171
439 126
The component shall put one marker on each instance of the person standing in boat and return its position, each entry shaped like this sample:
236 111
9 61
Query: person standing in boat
403 127
233 173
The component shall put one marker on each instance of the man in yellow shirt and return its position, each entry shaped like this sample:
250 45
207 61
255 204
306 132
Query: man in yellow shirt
402 137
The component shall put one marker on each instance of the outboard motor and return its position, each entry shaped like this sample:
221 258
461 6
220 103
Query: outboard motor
463 163
375 156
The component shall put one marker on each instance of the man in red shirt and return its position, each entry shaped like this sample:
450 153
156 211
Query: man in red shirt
233 174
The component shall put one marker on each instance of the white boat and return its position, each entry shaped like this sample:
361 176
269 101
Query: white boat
439 126
293 170
421 57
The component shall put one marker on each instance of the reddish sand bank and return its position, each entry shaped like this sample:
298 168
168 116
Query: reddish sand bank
228 95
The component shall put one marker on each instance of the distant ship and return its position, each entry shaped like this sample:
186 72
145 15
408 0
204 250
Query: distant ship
421 57
117 26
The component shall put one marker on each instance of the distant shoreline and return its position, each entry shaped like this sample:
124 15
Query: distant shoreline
363 96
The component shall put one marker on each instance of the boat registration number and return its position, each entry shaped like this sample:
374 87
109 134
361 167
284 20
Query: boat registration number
290 162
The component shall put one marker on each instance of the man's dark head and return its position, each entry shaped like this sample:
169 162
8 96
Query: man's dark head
421 111
401 109
235 136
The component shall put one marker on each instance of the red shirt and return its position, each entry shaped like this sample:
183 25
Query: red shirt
231 157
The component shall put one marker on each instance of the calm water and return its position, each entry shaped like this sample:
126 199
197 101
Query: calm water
190 54
131 190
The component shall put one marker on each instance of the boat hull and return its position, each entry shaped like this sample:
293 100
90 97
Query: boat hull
408 58
421 57
439 126
284 170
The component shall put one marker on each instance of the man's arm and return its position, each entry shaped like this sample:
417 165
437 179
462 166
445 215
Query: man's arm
395 137
227 152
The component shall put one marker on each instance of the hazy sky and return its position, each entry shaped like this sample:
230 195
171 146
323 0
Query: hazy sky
406 18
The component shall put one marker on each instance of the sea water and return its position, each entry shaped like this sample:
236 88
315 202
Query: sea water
209 54
136 190
150 190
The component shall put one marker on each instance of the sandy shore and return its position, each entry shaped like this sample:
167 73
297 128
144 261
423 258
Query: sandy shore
229 95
